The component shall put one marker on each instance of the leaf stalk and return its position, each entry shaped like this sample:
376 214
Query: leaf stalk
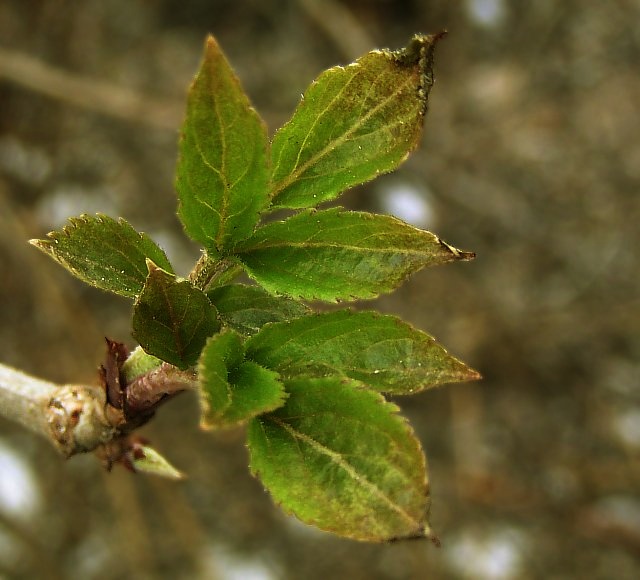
210 272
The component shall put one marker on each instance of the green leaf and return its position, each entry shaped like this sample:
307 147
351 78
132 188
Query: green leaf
352 124
248 308
254 391
172 319
104 253
379 350
340 255
233 390
222 174
138 363
221 352
340 458
210 272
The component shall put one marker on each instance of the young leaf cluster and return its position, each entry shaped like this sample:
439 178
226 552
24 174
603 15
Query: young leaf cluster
310 386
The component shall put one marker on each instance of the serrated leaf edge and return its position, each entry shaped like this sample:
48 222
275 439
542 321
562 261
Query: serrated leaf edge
213 53
250 244
299 170
290 370
48 246
339 460
421 529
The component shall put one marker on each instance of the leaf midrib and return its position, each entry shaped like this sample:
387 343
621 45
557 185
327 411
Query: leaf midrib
334 144
360 479
338 245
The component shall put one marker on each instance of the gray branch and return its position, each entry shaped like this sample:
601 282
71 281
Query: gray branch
71 417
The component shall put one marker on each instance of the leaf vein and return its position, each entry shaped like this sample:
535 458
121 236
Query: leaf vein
338 459
300 169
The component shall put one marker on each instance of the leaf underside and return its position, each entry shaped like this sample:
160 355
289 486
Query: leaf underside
339 457
103 252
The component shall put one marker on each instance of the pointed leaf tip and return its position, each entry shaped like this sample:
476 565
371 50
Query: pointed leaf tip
420 52
222 174
103 252
380 350
460 255
145 459
335 254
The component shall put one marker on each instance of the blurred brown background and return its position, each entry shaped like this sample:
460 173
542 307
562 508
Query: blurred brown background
531 158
